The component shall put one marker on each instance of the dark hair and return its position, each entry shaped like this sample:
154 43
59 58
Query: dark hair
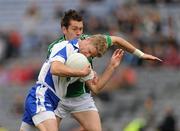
70 15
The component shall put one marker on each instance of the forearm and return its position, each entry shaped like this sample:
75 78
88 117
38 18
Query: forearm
125 45
103 79
59 69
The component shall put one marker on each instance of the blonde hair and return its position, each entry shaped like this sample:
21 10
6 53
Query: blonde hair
99 41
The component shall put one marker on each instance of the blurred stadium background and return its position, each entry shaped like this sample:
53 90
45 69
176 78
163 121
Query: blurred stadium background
141 93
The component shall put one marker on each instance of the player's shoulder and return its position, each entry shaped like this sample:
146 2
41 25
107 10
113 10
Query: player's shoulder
60 46
61 43
59 39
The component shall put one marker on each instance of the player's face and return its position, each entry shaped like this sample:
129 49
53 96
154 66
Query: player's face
88 49
74 30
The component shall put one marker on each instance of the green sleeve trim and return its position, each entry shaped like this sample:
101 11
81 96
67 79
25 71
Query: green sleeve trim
108 40
84 36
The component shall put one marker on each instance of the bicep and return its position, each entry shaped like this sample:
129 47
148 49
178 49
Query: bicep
116 40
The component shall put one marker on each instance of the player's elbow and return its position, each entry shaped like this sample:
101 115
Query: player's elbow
93 86
56 71
53 70
95 90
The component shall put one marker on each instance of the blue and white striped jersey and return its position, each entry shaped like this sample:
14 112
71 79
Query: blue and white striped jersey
60 52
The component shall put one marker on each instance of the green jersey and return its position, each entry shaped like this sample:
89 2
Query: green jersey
77 88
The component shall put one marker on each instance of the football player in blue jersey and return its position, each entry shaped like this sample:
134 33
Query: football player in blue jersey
44 96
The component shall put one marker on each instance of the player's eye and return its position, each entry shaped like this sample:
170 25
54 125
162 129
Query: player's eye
80 29
74 28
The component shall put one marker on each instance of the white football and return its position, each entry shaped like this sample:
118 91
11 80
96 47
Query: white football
77 61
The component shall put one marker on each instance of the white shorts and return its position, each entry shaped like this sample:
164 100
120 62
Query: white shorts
27 127
42 116
69 106
38 118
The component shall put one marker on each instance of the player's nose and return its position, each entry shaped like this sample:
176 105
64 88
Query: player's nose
78 32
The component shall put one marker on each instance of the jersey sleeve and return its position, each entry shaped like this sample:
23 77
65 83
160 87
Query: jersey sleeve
108 40
59 52
84 36
60 39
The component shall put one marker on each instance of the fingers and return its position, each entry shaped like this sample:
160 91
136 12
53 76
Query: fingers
121 52
150 57
118 52
159 59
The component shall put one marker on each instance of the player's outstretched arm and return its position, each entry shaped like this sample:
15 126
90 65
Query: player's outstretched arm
125 45
97 85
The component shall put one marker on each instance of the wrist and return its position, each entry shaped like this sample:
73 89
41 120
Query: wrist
112 67
138 53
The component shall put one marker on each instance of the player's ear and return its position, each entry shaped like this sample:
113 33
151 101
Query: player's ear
64 30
